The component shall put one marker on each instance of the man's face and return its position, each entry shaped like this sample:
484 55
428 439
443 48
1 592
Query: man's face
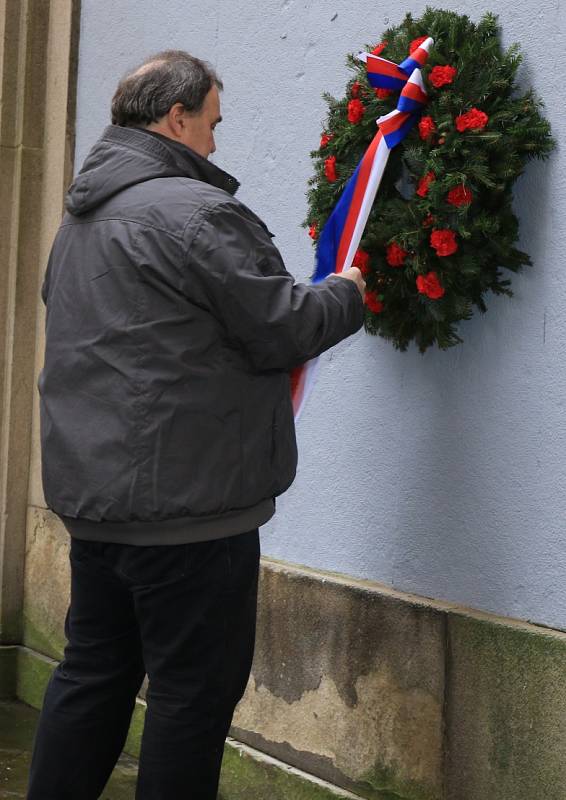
198 129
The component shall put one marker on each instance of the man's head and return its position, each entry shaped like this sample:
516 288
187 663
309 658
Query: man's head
172 93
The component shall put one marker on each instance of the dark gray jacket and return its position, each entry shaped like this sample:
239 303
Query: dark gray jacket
172 325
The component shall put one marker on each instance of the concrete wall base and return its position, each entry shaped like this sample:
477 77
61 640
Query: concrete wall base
378 692
246 772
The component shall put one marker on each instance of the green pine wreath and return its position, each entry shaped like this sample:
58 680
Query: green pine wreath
442 227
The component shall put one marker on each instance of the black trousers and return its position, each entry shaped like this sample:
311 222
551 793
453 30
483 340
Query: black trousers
183 614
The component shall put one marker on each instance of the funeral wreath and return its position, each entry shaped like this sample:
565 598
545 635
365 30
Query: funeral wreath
442 232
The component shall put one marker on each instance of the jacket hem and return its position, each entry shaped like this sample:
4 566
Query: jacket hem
179 530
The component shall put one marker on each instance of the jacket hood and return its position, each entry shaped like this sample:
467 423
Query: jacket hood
123 157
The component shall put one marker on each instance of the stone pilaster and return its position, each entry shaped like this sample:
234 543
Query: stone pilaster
38 43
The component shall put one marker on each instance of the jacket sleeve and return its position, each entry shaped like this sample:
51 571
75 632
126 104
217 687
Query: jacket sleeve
232 262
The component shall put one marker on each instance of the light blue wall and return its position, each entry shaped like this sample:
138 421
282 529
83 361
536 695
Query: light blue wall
440 474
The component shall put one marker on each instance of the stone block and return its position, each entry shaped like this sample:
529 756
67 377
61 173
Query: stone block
347 684
34 672
248 773
133 741
34 96
11 72
47 583
505 711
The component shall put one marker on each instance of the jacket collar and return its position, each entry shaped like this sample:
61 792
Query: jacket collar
189 163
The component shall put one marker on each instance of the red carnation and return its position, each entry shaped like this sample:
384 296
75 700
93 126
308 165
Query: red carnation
373 302
440 76
379 48
430 285
381 94
417 43
395 256
428 221
424 184
361 261
460 196
426 127
444 242
355 111
313 231
330 168
474 119
355 89
324 139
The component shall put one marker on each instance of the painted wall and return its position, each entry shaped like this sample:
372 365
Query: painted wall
442 474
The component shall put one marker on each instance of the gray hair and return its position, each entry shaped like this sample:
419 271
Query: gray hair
146 94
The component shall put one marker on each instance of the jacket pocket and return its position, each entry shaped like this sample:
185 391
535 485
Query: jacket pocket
197 463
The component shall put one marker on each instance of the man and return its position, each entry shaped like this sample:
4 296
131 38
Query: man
167 432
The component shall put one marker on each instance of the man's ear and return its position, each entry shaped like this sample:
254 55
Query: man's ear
176 119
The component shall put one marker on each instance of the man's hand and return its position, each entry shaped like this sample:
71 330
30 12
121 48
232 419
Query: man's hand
354 274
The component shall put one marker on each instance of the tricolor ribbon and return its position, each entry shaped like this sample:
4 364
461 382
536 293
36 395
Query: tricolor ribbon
341 235
384 74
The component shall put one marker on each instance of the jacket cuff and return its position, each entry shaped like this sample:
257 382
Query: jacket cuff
356 308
